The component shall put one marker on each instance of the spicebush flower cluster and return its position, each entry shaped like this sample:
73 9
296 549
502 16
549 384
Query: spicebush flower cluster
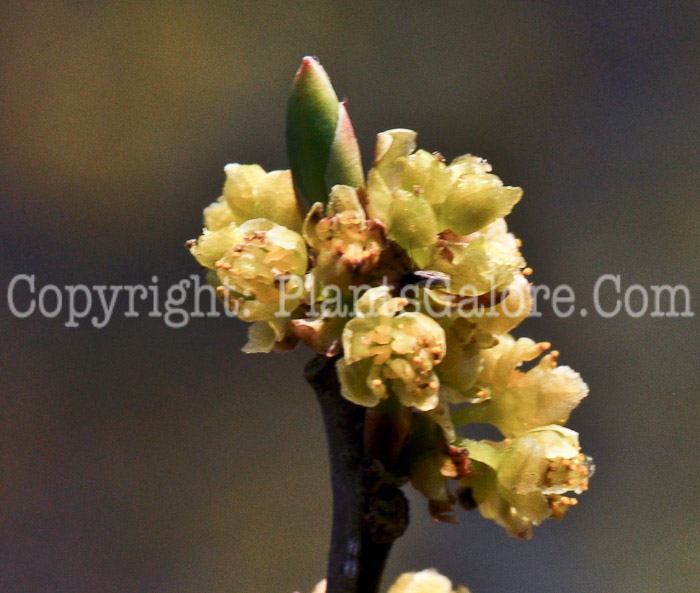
425 366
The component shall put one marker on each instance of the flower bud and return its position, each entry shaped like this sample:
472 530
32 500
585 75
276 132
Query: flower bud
251 193
218 215
263 336
394 198
476 197
508 313
460 367
425 581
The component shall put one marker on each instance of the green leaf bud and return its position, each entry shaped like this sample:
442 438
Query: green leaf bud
321 143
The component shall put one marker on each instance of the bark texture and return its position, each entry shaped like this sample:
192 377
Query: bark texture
369 510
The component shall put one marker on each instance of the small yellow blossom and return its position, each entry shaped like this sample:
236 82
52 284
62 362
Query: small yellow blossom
418 196
484 261
260 266
347 246
523 481
250 192
425 581
390 351
516 401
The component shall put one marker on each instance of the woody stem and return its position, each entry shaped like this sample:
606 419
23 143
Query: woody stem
369 511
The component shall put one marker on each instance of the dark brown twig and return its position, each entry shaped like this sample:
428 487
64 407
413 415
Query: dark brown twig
369 510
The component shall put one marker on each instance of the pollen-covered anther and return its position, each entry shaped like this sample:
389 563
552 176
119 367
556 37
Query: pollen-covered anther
527 271
560 504
376 382
568 501
544 346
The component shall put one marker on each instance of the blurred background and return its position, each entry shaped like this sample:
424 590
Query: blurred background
143 459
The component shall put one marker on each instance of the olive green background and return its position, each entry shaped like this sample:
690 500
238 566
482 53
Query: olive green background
144 459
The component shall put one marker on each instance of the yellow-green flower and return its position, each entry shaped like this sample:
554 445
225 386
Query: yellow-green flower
425 581
485 261
524 480
390 351
516 401
507 313
260 266
346 245
436 233
249 193
418 196
462 363
472 327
